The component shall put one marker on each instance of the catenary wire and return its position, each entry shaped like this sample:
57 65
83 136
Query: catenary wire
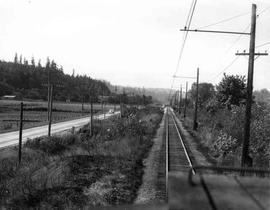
188 23
267 43
223 70
224 20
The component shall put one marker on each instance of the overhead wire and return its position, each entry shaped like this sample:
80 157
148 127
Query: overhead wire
263 11
190 15
238 38
188 23
223 70
267 43
224 20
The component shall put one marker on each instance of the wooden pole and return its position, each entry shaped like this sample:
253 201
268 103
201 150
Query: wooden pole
50 114
115 90
185 110
20 134
195 123
180 102
82 105
246 161
49 92
91 116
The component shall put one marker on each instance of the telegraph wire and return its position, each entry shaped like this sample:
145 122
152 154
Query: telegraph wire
188 23
237 39
267 43
223 70
263 11
189 13
224 20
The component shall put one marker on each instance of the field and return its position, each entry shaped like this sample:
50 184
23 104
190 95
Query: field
35 113
77 171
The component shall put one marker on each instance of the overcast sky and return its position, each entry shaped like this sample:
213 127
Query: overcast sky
134 42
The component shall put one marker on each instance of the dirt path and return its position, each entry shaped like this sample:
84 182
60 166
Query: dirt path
153 187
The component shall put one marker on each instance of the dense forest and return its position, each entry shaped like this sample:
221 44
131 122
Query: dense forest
29 80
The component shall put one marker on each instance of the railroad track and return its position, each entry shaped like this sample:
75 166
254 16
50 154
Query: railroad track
177 157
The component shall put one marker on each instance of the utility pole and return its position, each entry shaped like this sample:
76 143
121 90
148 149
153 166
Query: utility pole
50 111
91 114
180 102
195 123
185 110
20 134
245 148
246 160
121 104
49 85
82 105
175 100
115 90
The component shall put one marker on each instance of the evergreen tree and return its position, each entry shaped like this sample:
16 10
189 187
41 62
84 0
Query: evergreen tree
25 62
48 63
33 61
39 63
16 58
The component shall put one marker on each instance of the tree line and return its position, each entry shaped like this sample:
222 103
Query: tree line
29 80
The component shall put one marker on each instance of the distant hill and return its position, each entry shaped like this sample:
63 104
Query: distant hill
159 95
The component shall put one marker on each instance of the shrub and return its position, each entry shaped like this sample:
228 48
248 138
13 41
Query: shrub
53 145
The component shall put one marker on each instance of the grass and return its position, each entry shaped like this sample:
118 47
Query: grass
35 113
79 170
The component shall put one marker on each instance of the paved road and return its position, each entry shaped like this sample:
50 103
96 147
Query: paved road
11 138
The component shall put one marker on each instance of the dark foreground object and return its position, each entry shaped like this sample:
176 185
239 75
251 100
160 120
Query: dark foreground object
154 206
218 192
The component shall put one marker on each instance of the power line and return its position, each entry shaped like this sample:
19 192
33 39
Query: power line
190 9
263 11
224 20
188 23
237 39
223 70
262 44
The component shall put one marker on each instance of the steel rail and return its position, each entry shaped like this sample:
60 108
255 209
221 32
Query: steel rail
167 148
182 143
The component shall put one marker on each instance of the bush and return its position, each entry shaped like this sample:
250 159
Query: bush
53 145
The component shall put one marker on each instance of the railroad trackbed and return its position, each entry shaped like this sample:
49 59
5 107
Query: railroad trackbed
177 156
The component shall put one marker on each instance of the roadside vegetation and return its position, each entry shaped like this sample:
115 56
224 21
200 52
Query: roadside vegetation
78 170
221 118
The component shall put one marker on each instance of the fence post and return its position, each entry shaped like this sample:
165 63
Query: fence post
50 112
